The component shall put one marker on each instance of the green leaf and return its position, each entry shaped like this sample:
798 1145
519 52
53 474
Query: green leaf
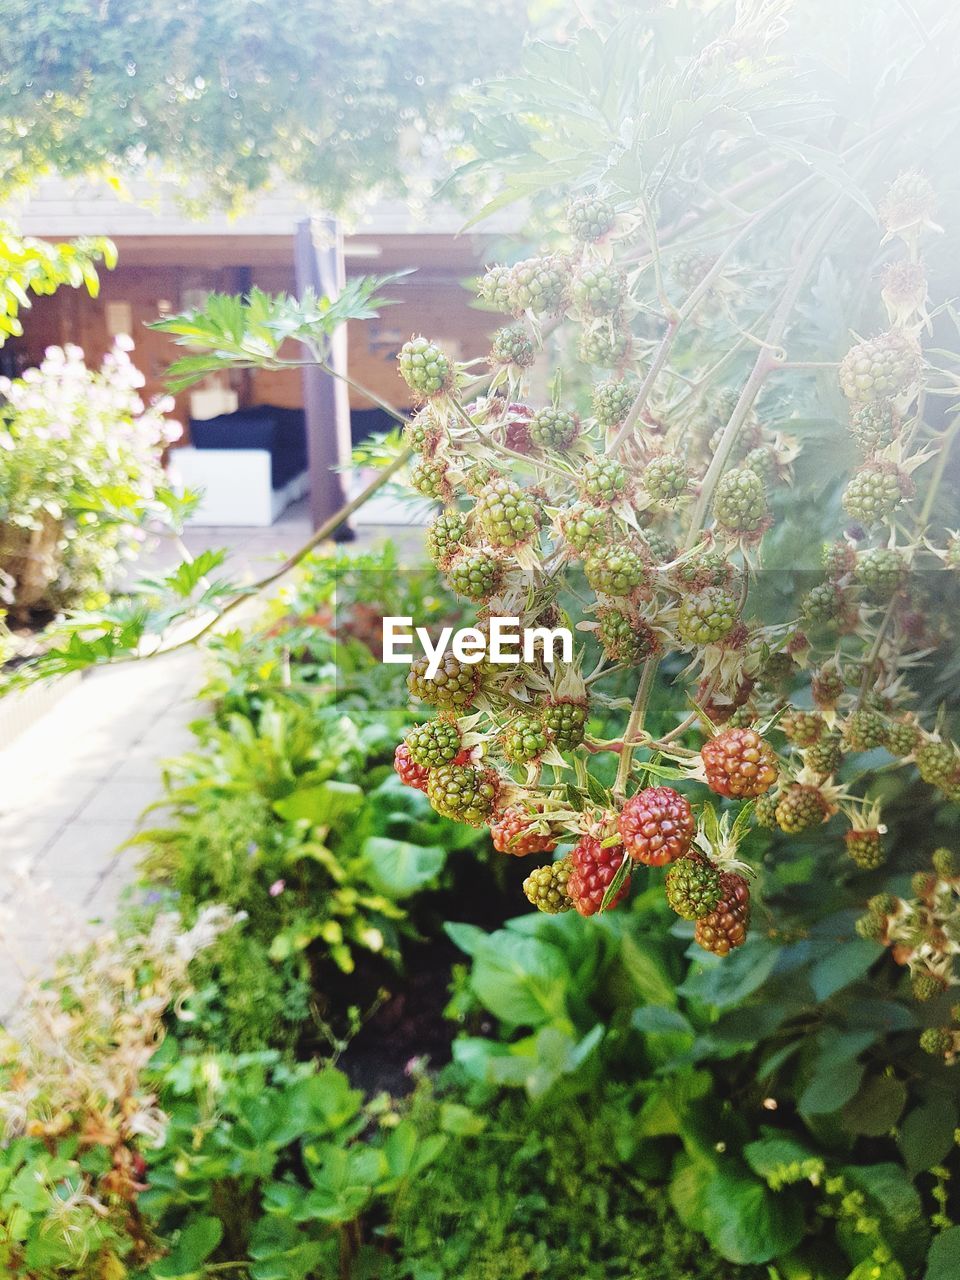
728 981
876 1107
521 980
943 1260
843 965
748 1223
280 1251
327 805
895 1200
927 1134
194 1245
396 868
461 1121
780 1158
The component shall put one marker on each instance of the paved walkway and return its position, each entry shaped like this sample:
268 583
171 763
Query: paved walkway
74 784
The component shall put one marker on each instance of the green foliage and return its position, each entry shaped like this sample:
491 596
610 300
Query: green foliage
28 265
229 95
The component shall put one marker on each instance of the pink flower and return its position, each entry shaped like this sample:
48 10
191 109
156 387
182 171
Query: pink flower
277 888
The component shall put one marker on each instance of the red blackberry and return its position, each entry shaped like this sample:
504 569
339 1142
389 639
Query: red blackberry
516 832
726 926
739 764
593 869
409 772
657 826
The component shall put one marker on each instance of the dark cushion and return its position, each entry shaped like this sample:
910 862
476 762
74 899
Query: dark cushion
281 432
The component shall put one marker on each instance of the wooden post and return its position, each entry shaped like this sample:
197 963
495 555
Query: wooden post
319 266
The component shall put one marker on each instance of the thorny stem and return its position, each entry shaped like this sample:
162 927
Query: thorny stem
634 725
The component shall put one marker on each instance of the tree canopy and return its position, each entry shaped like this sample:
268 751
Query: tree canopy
225 95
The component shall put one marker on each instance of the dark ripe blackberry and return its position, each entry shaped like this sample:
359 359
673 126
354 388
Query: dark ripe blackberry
513 346
598 289
615 572
726 926
463 792
874 493
547 887
565 721
825 756
505 513
590 217
593 869
707 616
865 730
552 428
434 743
524 740
494 287
693 887
475 575
539 285
604 344
800 807
625 637
880 571
452 687
874 425
880 368
612 400
445 537
586 528
739 502
602 480
666 478
424 367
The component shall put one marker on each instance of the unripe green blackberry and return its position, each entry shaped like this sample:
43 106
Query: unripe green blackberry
553 428
764 811
435 743
453 686
513 345
909 204
824 604
711 569
926 986
613 399
565 722
726 926
800 807
546 888
604 344
429 477
615 571
475 575
902 738
424 367
598 289
602 480
827 687
418 432
936 762
661 549
586 528
824 757
838 558
946 864
864 848
524 740
762 461
688 267
625 638
874 425
693 887
494 287
539 285
922 884
590 217
463 792
479 476
865 730
874 493
883 904
666 478
505 513
880 368
937 1041
880 571
445 537
871 927
802 728
706 616
739 501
